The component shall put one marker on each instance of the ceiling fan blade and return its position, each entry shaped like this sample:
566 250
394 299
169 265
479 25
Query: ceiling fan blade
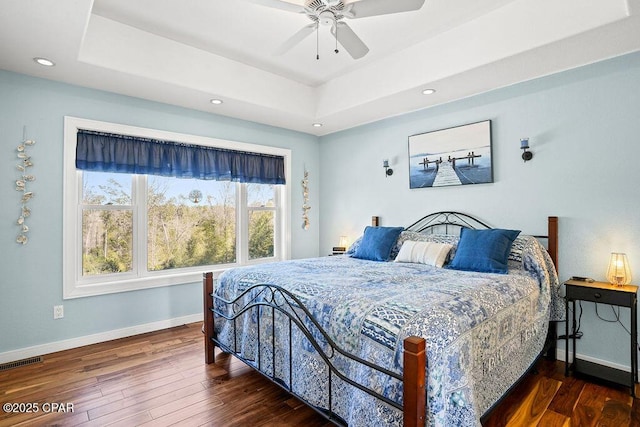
279 4
302 34
349 40
364 8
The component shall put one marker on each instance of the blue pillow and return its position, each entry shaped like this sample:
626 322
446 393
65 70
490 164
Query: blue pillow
485 251
377 242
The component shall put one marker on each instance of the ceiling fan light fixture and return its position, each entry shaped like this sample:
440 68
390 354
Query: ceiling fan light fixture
327 18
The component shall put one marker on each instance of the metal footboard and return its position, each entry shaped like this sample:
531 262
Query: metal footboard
275 299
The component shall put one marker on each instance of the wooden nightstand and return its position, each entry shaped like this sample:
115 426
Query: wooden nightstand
603 293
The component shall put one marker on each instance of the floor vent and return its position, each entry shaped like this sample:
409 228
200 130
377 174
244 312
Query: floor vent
18 363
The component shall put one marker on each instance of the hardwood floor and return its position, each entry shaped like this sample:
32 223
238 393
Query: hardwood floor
160 379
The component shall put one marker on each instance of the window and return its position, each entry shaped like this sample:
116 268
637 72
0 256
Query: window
126 231
261 209
107 224
191 223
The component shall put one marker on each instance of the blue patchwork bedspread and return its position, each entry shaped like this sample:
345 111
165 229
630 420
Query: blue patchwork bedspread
483 330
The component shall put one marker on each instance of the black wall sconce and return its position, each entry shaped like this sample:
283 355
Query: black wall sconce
524 145
387 170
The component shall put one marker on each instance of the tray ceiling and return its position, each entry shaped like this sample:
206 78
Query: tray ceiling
187 52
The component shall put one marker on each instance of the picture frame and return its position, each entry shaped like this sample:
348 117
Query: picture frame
460 155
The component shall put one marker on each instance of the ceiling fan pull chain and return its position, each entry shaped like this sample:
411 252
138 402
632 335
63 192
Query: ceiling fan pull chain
336 51
318 41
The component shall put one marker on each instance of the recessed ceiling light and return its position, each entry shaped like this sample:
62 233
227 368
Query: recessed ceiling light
317 125
216 101
44 62
428 91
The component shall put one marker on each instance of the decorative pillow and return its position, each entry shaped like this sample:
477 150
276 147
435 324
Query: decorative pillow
521 245
450 239
377 243
429 253
485 251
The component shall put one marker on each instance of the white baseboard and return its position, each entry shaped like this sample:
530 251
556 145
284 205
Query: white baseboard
560 355
42 349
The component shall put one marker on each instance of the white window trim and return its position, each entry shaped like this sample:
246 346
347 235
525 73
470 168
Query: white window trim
72 232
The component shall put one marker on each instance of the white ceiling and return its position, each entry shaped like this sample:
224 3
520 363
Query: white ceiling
185 52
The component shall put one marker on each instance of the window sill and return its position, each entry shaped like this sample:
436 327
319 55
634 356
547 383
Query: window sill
120 284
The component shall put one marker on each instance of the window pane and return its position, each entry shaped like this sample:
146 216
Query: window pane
190 223
100 188
261 235
260 195
107 238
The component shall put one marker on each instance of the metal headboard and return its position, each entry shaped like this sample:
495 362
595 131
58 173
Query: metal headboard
449 222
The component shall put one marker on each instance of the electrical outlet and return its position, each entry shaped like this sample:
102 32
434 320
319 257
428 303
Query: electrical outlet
58 311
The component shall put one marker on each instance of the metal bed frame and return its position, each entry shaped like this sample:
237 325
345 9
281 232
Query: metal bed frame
273 298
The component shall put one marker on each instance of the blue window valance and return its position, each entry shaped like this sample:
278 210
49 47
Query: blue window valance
107 152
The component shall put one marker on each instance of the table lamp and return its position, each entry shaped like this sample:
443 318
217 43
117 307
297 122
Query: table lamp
619 272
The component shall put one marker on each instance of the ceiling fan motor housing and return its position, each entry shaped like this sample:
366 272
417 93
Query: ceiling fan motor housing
324 3
326 12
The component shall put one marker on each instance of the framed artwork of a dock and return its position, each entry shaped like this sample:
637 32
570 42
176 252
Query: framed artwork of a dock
459 155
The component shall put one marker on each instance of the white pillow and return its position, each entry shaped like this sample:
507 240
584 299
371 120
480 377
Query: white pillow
429 253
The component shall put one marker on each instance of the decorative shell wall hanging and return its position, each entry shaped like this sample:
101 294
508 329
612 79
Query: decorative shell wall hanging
22 184
305 201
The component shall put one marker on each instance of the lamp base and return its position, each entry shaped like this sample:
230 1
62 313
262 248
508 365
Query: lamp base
617 284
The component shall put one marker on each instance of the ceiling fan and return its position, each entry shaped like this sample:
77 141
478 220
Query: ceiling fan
332 12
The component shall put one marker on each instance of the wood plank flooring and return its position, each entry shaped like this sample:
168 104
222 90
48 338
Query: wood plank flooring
160 379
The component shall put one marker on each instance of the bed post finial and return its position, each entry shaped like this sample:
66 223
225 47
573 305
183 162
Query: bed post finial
414 377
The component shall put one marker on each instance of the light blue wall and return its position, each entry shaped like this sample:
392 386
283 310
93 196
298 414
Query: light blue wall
31 275
584 130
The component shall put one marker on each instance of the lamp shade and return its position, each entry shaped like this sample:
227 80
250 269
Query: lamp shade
343 241
619 272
